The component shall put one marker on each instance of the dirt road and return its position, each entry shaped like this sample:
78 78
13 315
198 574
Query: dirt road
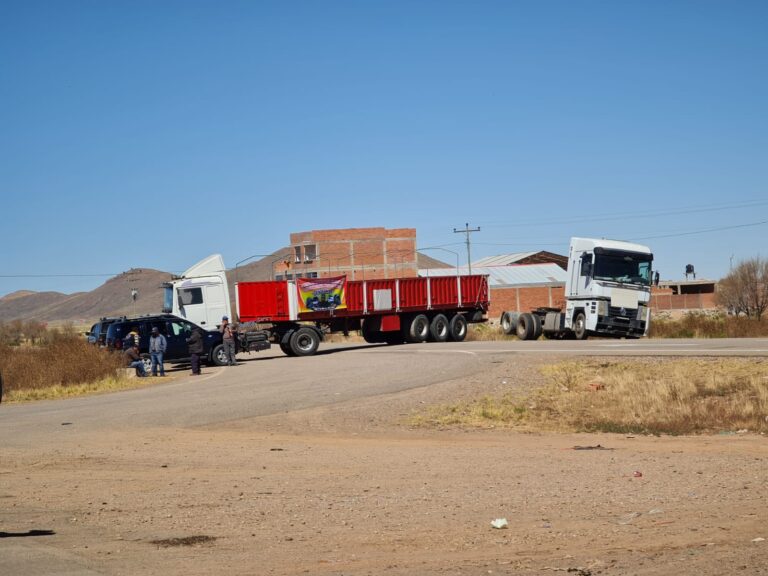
344 486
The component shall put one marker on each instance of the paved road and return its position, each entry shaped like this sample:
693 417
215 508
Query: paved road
270 383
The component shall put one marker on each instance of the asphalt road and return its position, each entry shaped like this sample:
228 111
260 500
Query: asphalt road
270 383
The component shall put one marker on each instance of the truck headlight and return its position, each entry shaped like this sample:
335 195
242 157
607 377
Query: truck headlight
602 308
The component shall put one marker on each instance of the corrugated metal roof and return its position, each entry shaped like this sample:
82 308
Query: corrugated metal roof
503 259
501 276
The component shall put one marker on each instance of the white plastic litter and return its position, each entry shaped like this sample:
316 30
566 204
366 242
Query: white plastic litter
500 523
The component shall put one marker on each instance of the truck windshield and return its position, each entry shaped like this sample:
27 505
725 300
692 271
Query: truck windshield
624 268
168 299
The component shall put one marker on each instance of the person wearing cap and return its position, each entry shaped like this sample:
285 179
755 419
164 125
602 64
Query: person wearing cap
228 339
157 346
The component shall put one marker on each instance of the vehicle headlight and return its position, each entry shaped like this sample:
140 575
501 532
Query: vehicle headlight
602 308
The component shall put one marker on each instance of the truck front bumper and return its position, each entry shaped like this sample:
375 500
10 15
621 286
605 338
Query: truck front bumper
620 326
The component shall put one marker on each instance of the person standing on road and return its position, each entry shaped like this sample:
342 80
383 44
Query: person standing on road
195 342
228 339
133 360
157 346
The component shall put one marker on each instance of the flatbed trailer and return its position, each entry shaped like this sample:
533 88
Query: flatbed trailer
392 311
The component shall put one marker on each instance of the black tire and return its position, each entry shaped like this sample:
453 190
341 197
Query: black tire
418 329
508 322
438 328
458 328
286 349
219 356
525 326
305 341
580 326
537 328
370 330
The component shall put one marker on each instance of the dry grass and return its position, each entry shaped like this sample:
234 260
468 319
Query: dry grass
674 397
708 325
486 333
60 364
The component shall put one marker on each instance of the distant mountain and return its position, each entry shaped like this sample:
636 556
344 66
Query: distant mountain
113 298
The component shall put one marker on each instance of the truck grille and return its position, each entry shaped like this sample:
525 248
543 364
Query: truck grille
616 312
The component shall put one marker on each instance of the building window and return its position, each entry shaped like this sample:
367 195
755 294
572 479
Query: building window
310 252
297 254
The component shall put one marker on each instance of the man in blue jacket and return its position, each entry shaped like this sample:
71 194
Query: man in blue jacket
157 346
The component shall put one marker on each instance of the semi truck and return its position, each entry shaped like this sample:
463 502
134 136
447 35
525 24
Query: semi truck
297 314
607 293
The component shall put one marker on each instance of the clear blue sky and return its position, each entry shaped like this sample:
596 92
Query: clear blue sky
153 133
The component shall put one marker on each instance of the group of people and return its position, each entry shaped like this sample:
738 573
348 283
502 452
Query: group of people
157 346
196 347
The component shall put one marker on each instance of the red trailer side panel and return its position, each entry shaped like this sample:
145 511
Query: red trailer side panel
263 301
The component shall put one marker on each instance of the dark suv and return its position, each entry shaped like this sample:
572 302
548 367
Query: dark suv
176 331
97 335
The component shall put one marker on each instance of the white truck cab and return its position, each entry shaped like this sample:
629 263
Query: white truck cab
608 287
607 293
200 294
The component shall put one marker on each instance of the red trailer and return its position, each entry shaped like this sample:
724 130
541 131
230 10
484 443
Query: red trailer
297 314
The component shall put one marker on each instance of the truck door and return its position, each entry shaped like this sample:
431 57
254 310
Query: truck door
192 304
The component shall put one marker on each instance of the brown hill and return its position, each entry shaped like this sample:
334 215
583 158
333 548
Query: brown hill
24 304
113 298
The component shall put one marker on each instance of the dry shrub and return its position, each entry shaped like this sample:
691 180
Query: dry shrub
61 359
708 325
673 397
483 332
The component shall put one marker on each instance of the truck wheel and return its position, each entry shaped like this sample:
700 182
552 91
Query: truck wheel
219 356
458 328
580 326
509 322
526 326
370 330
537 328
418 329
286 348
438 328
304 342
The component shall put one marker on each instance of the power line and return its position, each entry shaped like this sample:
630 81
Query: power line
704 231
635 215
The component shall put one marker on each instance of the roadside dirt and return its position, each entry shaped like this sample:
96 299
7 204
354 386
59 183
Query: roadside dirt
351 489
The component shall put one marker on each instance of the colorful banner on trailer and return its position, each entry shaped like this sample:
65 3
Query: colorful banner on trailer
321 295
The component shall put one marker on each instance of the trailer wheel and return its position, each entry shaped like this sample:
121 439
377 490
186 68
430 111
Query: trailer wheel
304 341
526 326
458 328
418 329
438 328
509 322
580 326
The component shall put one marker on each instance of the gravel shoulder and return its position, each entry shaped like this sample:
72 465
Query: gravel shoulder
349 488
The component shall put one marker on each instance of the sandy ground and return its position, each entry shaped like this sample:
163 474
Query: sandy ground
350 489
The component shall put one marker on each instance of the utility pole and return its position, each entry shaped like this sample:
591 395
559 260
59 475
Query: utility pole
467 230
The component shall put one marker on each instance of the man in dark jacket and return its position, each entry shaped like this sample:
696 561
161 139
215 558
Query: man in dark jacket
195 342
133 360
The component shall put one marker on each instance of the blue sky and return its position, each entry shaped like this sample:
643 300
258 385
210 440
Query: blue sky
151 134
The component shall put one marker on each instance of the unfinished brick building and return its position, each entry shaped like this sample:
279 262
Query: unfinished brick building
358 253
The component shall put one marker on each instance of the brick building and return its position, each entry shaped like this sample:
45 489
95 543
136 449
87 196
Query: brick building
358 253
